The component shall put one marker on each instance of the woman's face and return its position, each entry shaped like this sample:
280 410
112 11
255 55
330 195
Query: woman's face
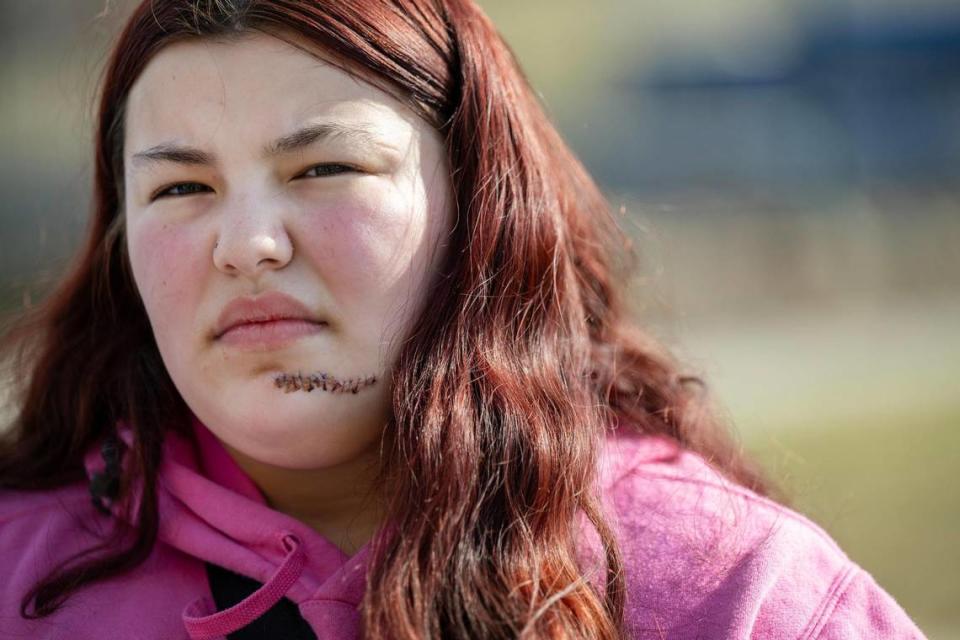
294 177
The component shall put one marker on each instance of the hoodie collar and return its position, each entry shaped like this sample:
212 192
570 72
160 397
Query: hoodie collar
210 508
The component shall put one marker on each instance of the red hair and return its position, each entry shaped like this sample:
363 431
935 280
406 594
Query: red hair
502 393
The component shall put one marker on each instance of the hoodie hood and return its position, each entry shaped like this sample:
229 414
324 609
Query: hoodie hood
210 509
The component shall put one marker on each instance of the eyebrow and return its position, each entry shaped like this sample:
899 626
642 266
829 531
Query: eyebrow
362 135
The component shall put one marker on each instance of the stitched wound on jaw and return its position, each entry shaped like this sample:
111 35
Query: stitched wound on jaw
298 382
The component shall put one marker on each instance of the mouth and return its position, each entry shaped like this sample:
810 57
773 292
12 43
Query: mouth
270 334
270 317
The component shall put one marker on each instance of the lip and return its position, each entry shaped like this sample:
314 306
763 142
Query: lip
270 317
272 334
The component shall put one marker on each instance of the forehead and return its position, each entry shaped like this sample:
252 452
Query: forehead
256 81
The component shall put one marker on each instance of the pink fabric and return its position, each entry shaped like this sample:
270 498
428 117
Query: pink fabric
704 558
204 625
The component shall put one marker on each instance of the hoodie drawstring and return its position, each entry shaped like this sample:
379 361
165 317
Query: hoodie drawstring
222 623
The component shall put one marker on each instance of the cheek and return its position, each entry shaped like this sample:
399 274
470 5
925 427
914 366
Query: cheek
166 267
372 255
367 247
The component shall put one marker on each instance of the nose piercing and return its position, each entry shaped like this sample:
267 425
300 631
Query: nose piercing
290 382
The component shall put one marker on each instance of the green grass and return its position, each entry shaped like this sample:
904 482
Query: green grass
889 494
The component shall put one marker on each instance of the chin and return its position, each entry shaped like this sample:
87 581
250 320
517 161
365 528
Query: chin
306 446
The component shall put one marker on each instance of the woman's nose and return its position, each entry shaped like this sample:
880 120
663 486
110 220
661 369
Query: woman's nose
249 244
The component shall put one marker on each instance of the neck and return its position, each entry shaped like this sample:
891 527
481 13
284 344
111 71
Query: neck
338 502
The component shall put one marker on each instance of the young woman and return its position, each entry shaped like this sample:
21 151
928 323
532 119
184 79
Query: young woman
344 355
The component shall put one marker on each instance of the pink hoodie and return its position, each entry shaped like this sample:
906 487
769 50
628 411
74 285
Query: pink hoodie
704 558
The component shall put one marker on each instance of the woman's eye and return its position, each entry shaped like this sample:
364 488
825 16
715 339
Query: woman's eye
181 189
328 169
190 188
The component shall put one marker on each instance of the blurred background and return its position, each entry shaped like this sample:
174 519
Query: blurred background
790 171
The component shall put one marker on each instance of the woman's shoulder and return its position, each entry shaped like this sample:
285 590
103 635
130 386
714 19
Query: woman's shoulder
39 524
38 530
705 557
43 530
16 504
31 518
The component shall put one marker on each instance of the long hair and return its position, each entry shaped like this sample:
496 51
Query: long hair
503 392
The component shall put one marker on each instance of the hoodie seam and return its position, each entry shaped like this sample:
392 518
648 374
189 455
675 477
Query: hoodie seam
829 603
319 601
